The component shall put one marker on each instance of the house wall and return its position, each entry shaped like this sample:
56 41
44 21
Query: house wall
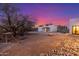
73 22
53 28
40 29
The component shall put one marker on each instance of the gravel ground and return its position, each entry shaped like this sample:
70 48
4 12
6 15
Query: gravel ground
46 44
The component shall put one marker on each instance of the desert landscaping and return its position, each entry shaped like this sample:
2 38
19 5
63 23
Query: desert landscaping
43 44
38 34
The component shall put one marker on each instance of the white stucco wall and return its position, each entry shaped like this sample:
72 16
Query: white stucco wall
53 28
40 29
72 22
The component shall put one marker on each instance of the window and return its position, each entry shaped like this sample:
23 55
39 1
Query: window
75 29
46 29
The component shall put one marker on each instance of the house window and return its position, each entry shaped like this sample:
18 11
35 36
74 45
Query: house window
75 29
46 29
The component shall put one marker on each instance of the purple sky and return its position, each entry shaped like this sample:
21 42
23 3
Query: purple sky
58 14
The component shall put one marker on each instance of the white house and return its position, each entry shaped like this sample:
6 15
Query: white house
47 28
74 26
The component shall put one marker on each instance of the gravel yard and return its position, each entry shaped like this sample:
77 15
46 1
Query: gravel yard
45 44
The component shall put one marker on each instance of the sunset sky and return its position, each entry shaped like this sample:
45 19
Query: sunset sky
58 14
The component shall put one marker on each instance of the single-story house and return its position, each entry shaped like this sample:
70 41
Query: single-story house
47 28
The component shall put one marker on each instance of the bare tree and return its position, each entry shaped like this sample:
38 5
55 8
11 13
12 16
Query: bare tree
62 29
10 14
12 22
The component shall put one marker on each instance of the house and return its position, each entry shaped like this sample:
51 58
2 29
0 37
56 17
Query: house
74 26
47 28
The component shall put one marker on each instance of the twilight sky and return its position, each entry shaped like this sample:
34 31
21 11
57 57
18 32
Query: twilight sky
54 13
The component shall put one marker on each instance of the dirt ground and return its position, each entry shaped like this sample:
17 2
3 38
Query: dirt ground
44 44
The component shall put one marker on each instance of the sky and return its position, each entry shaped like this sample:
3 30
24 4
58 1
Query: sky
55 13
